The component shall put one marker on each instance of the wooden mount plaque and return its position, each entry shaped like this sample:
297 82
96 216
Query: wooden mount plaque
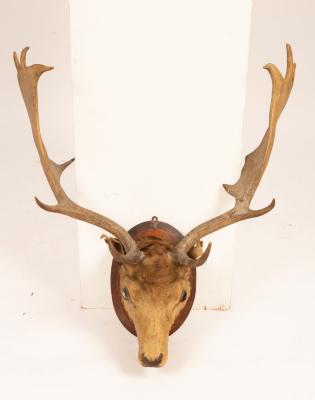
158 230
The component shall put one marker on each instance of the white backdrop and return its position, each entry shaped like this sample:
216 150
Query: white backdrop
159 91
263 348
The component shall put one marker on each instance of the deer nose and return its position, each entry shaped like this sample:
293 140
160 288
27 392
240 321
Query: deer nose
146 362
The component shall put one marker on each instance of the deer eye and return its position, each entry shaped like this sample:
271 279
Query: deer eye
183 296
126 294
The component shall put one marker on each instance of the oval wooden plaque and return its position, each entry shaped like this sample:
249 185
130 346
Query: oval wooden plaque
160 231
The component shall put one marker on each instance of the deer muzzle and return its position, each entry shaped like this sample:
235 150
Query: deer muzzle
153 343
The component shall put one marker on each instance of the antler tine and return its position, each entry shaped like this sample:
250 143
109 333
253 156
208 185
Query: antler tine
255 164
28 77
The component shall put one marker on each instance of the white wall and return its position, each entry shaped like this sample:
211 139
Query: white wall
263 348
159 91
40 249
280 247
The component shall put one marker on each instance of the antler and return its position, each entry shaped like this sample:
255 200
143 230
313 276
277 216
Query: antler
28 77
255 164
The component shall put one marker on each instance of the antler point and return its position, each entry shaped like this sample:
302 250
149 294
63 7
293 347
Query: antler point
268 66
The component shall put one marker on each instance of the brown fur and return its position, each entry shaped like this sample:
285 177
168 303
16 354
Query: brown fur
155 287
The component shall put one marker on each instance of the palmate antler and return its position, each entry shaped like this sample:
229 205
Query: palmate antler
255 164
28 77
243 191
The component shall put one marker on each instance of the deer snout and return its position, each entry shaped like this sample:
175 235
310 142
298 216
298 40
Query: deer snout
153 354
147 362
152 333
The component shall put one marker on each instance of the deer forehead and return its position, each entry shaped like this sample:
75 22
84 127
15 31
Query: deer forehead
158 286
157 267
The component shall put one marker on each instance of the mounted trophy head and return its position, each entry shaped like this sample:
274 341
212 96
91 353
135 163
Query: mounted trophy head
153 278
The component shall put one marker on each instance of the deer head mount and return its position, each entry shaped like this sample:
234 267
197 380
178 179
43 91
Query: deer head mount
154 266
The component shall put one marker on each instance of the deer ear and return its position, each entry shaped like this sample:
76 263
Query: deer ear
196 251
118 245
114 242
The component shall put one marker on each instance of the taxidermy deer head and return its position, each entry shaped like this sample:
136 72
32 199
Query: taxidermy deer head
154 266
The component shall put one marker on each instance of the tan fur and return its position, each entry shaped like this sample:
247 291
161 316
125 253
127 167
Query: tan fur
155 286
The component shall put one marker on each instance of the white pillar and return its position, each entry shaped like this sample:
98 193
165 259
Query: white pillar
159 90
